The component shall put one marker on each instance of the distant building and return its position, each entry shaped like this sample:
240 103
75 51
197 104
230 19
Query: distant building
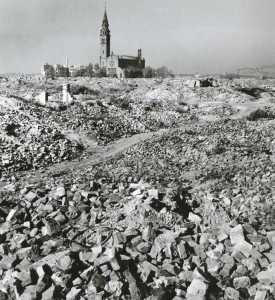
48 71
58 70
61 71
78 70
118 65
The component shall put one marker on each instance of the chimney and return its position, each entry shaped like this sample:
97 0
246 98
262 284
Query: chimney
139 53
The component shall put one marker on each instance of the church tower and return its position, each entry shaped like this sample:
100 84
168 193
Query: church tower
105 41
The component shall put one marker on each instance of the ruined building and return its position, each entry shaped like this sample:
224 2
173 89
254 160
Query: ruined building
118 65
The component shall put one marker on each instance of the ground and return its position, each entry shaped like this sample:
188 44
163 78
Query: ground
141 189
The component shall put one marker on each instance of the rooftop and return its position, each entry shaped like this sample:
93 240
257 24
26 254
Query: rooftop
128 57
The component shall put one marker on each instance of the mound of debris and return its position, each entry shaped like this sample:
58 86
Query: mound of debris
26 144
128 240
41 149
188 214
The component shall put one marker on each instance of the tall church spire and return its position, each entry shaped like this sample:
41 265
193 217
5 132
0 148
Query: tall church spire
105 22
105 39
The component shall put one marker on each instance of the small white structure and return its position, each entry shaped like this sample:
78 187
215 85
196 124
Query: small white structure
67 98
42 98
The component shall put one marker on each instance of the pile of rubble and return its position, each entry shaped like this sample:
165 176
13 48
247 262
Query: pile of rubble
228 158
139 105
29 144
128 240
188 214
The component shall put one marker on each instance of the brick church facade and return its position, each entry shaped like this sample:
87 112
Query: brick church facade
119 66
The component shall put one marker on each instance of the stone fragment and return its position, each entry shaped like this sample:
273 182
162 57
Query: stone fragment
241 282
194 218
242 247
23 252
136 192
114 287
213 265
60 219
33 232
231 294
98 280
60 192
240 271
73 294
64 263
260 295
186 276
267 277
168 269
24 277
271 255
77 197
222 236
264 262
249 229
254 239
147 233
236 235
153 193
196 290
143 247
264 247
77 282
7 262
29 293
146 269
85 275
271 238
5 227
49 293
30 196
51 259
182 250
250 263
114 264
11 215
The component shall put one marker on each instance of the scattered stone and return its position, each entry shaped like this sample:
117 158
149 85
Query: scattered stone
30 196
73 294
60 192
241 282
231 294
260 295
196 290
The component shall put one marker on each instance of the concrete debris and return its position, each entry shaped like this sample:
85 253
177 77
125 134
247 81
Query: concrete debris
43 98
185 213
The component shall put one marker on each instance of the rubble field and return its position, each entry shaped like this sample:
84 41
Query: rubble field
140 189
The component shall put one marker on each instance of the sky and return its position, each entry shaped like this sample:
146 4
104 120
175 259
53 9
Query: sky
188 36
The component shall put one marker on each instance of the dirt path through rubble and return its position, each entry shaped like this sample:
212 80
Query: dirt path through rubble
96 154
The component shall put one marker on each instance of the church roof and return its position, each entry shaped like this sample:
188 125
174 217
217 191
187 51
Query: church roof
128 57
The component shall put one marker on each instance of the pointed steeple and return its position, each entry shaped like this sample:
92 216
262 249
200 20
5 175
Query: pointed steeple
105 23
105 19
105 37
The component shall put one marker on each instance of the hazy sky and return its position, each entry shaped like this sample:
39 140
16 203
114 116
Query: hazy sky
186 35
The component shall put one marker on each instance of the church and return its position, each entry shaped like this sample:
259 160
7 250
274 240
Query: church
120 66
